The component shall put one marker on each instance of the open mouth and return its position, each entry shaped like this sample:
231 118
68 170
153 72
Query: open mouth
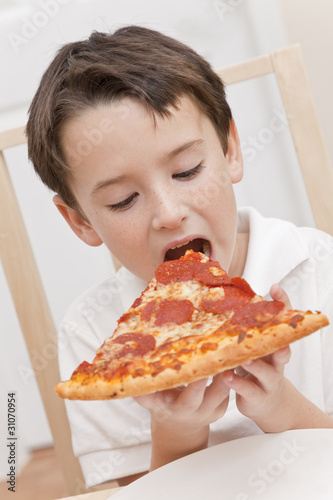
197 245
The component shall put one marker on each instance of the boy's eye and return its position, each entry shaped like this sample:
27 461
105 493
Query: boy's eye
188 174
123 205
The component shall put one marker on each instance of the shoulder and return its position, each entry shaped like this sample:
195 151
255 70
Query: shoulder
320 244
106 297
94 313
279 249
92 301
320 256
266 232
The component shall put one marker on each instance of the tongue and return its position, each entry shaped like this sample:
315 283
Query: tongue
175 253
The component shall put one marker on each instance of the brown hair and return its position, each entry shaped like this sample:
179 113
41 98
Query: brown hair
134 61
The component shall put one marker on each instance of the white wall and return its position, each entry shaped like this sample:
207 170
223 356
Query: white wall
223 31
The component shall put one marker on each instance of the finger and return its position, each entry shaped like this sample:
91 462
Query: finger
216 393
221 409
277 293
157 400
241 372
281 357
265 373
192 396
278 358
242 386
145 401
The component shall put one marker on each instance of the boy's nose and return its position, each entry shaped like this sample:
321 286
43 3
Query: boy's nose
168 212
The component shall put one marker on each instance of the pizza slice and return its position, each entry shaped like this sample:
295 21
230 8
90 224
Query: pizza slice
192 321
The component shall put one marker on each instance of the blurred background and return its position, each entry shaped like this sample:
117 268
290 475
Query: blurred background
224 32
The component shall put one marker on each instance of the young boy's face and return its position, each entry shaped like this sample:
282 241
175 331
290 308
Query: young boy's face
149 184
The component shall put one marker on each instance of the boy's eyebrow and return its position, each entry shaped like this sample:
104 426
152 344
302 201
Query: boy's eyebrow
108 182
167 157
183 147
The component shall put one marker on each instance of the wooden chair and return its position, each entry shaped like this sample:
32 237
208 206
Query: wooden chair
33 313
288 66
20 267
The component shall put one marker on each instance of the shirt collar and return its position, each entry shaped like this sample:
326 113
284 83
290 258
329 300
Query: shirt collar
275 249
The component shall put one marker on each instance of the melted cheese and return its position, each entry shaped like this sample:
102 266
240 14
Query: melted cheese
201 322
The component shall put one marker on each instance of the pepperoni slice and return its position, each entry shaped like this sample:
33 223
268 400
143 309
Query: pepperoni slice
137 302
84 367
148 310
173 311
209 273
137 344
234 299
257 314
191 255
175 271
243 285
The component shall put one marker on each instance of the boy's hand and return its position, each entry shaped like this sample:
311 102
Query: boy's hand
260 386
195 405
181 418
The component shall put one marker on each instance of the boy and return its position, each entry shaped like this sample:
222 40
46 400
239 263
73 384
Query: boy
134 134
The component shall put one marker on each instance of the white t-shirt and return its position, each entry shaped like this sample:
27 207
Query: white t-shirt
112 438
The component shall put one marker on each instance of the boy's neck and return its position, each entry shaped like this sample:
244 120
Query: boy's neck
239 258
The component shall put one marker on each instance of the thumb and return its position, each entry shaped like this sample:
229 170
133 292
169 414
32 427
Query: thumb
277 293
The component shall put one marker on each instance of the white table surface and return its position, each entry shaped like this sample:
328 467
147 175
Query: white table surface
292 465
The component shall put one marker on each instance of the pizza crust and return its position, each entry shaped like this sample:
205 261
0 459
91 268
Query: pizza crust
199 365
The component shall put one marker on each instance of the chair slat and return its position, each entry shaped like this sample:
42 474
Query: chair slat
246 70
305 128
11 138
36 322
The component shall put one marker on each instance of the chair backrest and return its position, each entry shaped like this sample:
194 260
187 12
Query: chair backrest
22 273
34 314
288 66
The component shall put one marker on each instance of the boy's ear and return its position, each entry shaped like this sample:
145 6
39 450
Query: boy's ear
80 227
234 155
